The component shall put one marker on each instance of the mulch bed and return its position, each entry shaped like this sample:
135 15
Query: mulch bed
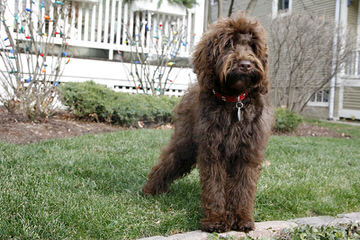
18 129
308 130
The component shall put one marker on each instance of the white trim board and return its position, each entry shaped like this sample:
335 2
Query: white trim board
347 113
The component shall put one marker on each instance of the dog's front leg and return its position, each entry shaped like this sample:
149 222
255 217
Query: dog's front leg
213 179
241 191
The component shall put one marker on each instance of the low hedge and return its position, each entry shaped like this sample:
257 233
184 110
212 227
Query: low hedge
95 101
91 100
286 121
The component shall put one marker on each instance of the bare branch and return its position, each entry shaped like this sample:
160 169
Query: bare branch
27 88
231 8
301 45
220 8
251 6
154 61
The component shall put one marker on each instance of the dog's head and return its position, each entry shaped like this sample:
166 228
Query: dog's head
231 57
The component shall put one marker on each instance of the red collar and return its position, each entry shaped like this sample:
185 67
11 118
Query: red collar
233 99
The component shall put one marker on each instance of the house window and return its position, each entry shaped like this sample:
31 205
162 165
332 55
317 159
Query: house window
281 8
320 98
283 5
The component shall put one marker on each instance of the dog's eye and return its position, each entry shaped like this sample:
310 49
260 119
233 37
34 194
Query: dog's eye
253 47
228 44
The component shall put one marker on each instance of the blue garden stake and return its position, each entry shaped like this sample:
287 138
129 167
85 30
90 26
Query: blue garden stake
64 54
137 62
28 10
28 80
56 84
6 39
11 50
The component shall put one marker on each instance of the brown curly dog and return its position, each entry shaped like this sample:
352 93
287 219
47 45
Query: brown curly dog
222 125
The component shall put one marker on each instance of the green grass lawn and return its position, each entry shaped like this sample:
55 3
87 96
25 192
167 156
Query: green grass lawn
90 186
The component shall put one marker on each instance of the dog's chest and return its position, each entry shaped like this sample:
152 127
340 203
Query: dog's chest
235 130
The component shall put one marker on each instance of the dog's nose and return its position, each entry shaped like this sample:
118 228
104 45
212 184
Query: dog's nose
245 65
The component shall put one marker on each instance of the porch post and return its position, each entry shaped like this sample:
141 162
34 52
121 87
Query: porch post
357 50
199 20
339 34
274 10
358 29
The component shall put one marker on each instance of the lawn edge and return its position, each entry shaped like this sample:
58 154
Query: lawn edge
268 229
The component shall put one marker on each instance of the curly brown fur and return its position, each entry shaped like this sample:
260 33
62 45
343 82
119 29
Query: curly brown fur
228 152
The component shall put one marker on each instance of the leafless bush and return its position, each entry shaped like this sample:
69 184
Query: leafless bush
31 61
302 57
153 56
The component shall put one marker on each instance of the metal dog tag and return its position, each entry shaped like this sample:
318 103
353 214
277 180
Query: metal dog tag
239 106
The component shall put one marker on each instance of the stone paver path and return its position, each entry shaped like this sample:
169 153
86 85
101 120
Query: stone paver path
265 230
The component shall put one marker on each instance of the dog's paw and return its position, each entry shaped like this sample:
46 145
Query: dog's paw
244 226
211 225
150 189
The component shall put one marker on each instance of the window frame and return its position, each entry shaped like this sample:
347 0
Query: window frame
275 9
214 2
321 103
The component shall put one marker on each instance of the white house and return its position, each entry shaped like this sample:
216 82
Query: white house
102 26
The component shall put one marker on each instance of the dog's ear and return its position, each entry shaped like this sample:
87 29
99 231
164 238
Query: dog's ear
203 57
265 83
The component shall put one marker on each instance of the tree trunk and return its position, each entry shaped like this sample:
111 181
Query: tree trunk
207 17
251 6
231 8
220 8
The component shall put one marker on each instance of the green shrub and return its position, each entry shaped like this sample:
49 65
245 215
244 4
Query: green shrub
91 100
286 121
347 231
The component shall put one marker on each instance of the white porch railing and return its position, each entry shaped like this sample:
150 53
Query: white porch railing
107 24
110 25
